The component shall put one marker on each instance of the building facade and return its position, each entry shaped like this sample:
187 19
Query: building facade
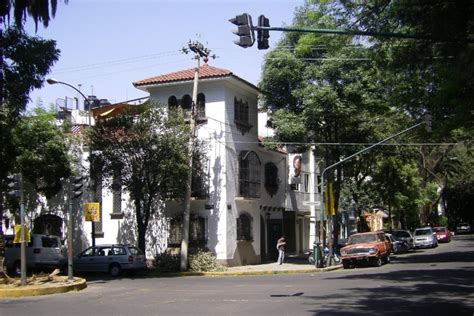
253 195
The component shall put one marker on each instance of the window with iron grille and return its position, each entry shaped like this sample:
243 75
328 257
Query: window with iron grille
244 227
249 174
185 103
272 182
197 231
241 111
201 106
117 194
241 115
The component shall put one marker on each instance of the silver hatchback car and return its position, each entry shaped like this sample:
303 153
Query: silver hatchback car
425 237
112 259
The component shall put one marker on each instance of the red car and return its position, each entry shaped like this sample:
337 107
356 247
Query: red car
442 234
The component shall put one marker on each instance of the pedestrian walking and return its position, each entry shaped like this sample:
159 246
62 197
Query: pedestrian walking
281 243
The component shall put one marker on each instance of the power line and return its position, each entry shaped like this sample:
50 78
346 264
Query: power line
116 62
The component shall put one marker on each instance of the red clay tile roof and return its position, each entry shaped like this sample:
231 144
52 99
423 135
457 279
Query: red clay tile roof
205 72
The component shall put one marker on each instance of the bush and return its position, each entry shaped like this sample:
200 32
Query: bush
167 262
204 261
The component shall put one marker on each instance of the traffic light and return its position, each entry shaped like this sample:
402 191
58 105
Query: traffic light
77 187
244 30
14 185
427 120
262 34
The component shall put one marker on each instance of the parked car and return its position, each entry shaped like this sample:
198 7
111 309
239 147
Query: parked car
398 246
112 259
463 228
442 234
404 235
42 252
425 238
370 248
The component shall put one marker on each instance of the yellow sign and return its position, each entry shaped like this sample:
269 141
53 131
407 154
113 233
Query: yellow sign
329 203
92 212
17 238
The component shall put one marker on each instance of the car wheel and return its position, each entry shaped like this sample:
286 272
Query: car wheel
64 269
378 261
115 270
386 259
345 264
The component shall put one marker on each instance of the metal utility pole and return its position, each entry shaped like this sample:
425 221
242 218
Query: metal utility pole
199 52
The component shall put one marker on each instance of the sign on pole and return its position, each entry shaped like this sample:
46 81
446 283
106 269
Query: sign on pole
92 212
312 203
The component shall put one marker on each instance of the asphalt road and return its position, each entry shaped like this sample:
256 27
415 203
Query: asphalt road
426 282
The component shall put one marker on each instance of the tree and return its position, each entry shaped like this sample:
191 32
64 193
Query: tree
29 60
24 61
334 89
321 89
42 152
148 147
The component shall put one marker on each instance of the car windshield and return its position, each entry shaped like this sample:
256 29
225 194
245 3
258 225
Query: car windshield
357 239
420 232
439 229
135 251
401 234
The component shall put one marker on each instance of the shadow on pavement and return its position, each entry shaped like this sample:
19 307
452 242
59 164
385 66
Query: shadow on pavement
412 292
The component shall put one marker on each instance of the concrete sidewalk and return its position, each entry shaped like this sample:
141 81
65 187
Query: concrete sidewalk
292 264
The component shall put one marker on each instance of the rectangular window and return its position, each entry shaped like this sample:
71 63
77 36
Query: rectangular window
197 231
306 182
49 242
117 195
241 111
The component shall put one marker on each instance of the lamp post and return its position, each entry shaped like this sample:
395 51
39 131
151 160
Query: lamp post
70 226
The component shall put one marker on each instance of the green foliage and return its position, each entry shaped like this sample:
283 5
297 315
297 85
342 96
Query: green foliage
167 262
39 11
26 61
204 261
42 152
337 88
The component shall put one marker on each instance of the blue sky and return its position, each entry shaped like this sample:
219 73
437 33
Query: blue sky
107 44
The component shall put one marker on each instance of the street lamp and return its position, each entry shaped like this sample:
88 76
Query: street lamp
70 226
52 81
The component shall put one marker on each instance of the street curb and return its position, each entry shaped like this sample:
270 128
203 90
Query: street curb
244 273
35 290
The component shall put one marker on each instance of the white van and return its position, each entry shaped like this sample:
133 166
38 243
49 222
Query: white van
42 252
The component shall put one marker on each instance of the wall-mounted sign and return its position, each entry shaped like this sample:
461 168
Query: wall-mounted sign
297 165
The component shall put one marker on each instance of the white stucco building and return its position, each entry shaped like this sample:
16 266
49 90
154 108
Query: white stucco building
253 195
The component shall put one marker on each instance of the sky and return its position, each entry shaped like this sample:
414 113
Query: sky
108 44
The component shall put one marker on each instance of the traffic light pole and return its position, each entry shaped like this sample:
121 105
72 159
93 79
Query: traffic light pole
22 239
70 273
246 38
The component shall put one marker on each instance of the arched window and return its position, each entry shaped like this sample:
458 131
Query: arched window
249 174
271 178
172 102
201 105
244 227
186 102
